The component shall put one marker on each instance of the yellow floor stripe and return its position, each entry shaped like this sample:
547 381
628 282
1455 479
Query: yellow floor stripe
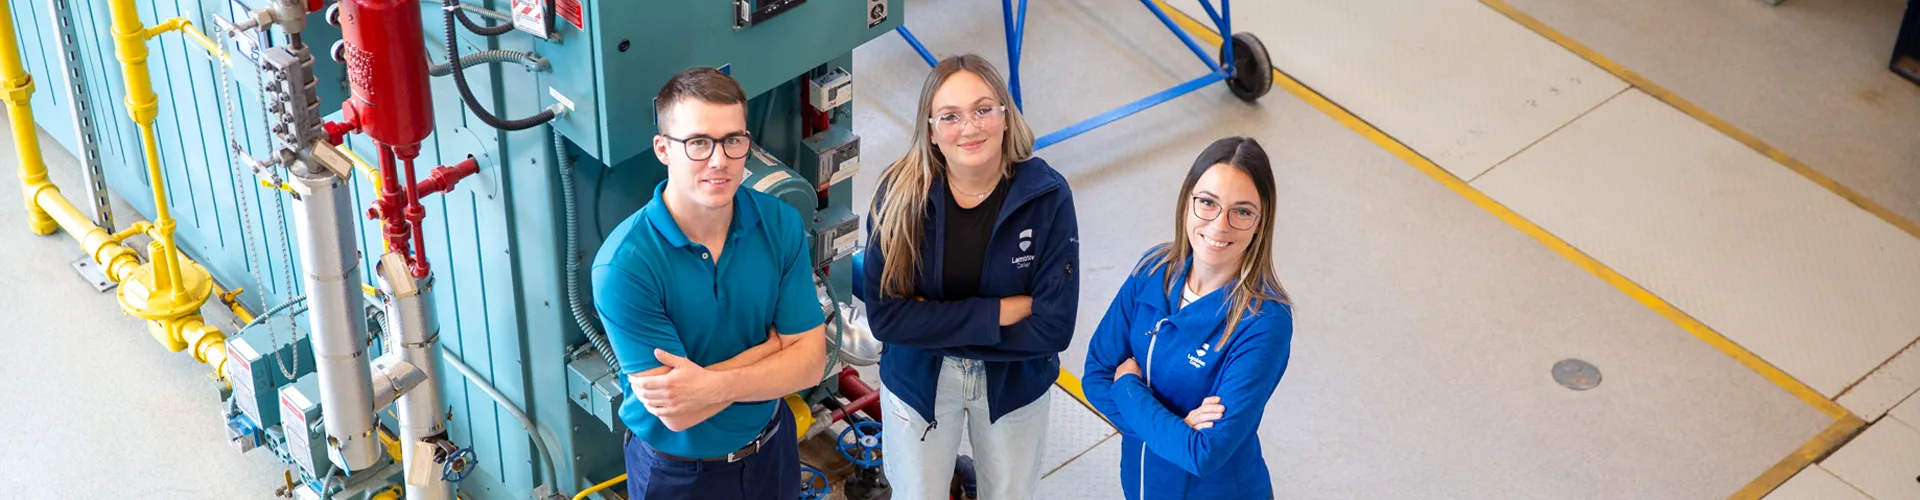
1815 449
1071 384
1845 425
1698 113
1552 242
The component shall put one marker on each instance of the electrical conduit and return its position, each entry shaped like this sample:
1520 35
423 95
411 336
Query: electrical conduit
532 61
507 404
466 94
587 325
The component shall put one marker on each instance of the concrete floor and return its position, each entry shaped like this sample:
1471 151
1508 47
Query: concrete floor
94 407
1807 77
1426 327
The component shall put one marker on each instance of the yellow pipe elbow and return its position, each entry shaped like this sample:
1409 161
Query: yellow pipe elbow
231 298
35 185
185 26
373 176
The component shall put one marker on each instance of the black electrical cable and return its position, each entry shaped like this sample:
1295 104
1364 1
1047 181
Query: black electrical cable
479 29
466 93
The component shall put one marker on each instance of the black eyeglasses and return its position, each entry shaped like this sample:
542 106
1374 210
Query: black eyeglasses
700 148
1241 218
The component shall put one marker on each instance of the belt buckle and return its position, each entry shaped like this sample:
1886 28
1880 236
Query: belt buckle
734 457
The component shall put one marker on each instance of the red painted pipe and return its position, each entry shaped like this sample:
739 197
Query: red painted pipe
416 214
442 179
337 131
391 206
865 398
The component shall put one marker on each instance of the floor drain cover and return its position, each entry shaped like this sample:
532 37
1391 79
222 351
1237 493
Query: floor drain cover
1576 374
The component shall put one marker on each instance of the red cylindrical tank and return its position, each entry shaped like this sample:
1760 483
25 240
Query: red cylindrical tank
387 66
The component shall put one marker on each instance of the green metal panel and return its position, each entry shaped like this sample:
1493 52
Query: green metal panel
612 89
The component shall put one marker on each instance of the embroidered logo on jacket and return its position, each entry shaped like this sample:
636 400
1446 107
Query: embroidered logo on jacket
1026 243
1194 359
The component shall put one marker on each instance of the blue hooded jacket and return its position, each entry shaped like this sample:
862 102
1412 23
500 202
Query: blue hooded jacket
1176 351
1034 251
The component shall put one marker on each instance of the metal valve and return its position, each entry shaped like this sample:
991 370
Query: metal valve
455 462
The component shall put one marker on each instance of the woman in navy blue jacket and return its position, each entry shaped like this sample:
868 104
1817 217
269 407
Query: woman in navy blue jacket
969 281
1197 338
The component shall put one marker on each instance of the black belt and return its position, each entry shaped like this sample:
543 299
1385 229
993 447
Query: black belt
760 441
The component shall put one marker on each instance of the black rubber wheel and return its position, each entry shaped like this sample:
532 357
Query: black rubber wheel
1252 71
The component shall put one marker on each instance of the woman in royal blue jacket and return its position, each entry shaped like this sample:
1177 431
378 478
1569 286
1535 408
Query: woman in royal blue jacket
969 281
1197 339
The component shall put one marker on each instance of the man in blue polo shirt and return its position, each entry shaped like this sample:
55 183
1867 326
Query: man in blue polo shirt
708 299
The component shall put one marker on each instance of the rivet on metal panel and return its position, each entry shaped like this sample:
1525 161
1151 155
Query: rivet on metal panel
1576 374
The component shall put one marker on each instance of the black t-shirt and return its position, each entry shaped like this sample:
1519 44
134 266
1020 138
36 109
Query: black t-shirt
967 231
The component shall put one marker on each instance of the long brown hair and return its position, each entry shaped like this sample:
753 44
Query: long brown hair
1257 282
904 184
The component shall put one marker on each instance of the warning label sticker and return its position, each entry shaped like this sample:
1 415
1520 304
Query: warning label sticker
530 16
570 10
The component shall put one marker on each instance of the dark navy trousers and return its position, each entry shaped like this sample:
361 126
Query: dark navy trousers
771 474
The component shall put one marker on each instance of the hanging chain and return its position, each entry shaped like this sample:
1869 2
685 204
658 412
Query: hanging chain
287 368
286 260
245 204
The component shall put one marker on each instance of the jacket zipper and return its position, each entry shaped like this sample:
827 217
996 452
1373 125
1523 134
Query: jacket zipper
1146 376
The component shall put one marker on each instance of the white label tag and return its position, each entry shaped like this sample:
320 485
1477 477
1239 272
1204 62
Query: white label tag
771 179
564 101
846 170
238 366
845 243
294 403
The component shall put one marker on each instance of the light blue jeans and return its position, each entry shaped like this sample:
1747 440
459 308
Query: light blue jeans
1006 453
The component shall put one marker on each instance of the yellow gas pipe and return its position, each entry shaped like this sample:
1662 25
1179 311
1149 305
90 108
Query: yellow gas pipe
169 295
167 292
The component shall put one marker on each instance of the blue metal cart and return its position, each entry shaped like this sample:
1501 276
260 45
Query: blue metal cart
1242 64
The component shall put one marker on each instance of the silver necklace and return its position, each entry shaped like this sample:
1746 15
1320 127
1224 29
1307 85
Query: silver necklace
996 186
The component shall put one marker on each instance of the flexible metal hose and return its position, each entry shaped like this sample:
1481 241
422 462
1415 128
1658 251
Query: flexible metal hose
466 93
587 324
495 30
262 317
528 59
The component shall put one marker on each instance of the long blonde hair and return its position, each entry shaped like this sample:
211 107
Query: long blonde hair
902 203
1257 282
